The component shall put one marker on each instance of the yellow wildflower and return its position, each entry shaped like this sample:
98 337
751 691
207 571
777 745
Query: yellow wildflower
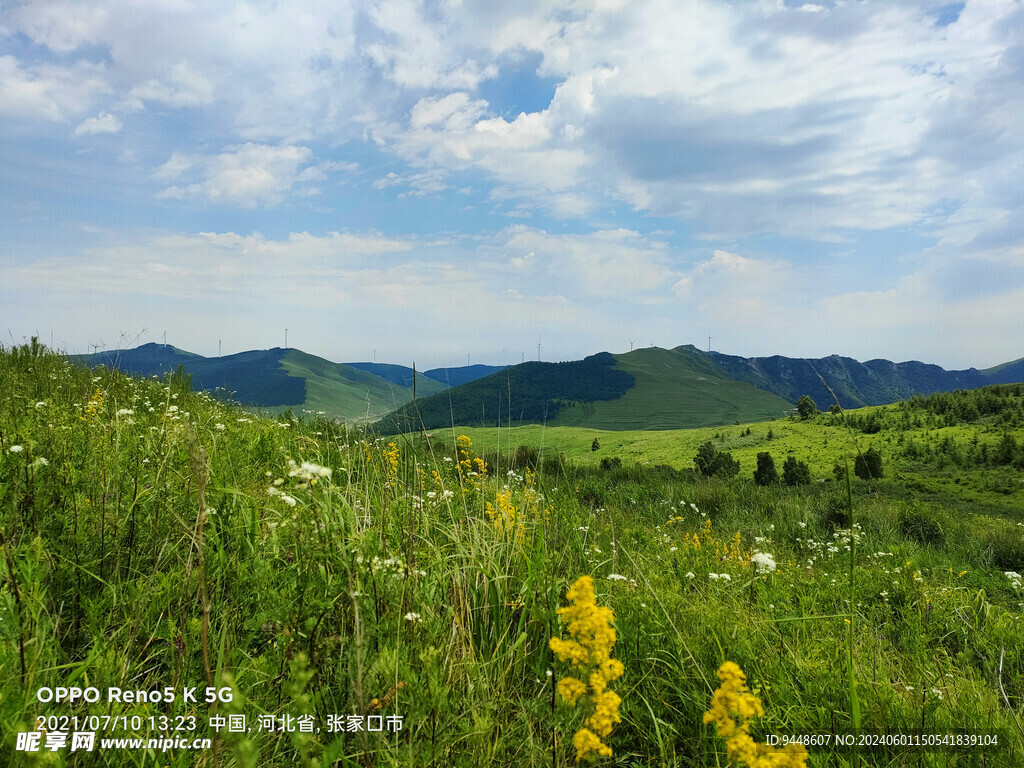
732 708
587 744
570 689
592 630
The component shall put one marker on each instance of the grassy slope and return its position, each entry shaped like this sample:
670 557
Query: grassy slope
815 442
673 390
342 390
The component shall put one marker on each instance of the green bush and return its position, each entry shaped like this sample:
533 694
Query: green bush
796 472
868 466
714 463
611 462
1007 547
922 526
765 474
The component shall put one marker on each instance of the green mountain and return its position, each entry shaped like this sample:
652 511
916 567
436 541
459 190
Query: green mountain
645 389
680 388
273 378
855 384
528 392
674 389
1007 373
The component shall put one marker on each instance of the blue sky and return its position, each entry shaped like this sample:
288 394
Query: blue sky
434 180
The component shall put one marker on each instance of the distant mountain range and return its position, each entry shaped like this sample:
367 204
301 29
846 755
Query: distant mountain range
649 388
680 388
280 378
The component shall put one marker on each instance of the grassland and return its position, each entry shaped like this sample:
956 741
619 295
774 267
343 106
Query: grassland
154 538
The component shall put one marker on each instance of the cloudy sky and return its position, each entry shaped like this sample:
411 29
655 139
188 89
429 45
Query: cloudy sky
436 180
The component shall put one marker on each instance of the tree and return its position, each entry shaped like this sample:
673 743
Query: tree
765 474
806 407
595 445
868 466
711 462
796 472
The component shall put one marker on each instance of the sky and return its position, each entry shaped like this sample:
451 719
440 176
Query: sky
468 180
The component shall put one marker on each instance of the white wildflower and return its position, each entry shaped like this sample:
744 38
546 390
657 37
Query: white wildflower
616 577
763 561
413 617
307 472
16 448
289 500
690 575
40 462
125 412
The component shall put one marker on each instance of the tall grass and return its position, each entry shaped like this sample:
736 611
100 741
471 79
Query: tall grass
148 550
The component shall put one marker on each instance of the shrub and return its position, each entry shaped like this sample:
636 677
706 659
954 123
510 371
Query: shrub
765 474
1007 547
922 526
611 462
806 407
595 445
525 456
711 462
796 472
868 466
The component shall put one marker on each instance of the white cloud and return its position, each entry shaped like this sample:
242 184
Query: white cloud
248 175
182 87
61 26
104 122
48 92
607 263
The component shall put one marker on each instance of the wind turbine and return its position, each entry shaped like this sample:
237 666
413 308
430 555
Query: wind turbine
631 343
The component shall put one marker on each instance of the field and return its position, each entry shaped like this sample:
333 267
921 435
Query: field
318 578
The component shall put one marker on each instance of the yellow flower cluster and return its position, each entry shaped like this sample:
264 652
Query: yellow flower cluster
592 629
469 466
732 708
723 550
503 514
390 455
95 405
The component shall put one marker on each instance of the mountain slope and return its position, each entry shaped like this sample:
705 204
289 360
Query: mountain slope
644 389
452 377
402 376
256 377
273 378
1007 373
528 392
855 384
674 389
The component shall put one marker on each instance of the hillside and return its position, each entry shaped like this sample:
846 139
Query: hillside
673 389
855 384
255 378
453 377
273 378
529 392
645 389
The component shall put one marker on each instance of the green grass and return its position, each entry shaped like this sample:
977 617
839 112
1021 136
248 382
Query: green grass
148 551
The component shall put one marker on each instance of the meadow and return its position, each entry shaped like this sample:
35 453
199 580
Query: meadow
316 577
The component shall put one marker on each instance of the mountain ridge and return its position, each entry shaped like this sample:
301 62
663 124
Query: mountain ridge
678 387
